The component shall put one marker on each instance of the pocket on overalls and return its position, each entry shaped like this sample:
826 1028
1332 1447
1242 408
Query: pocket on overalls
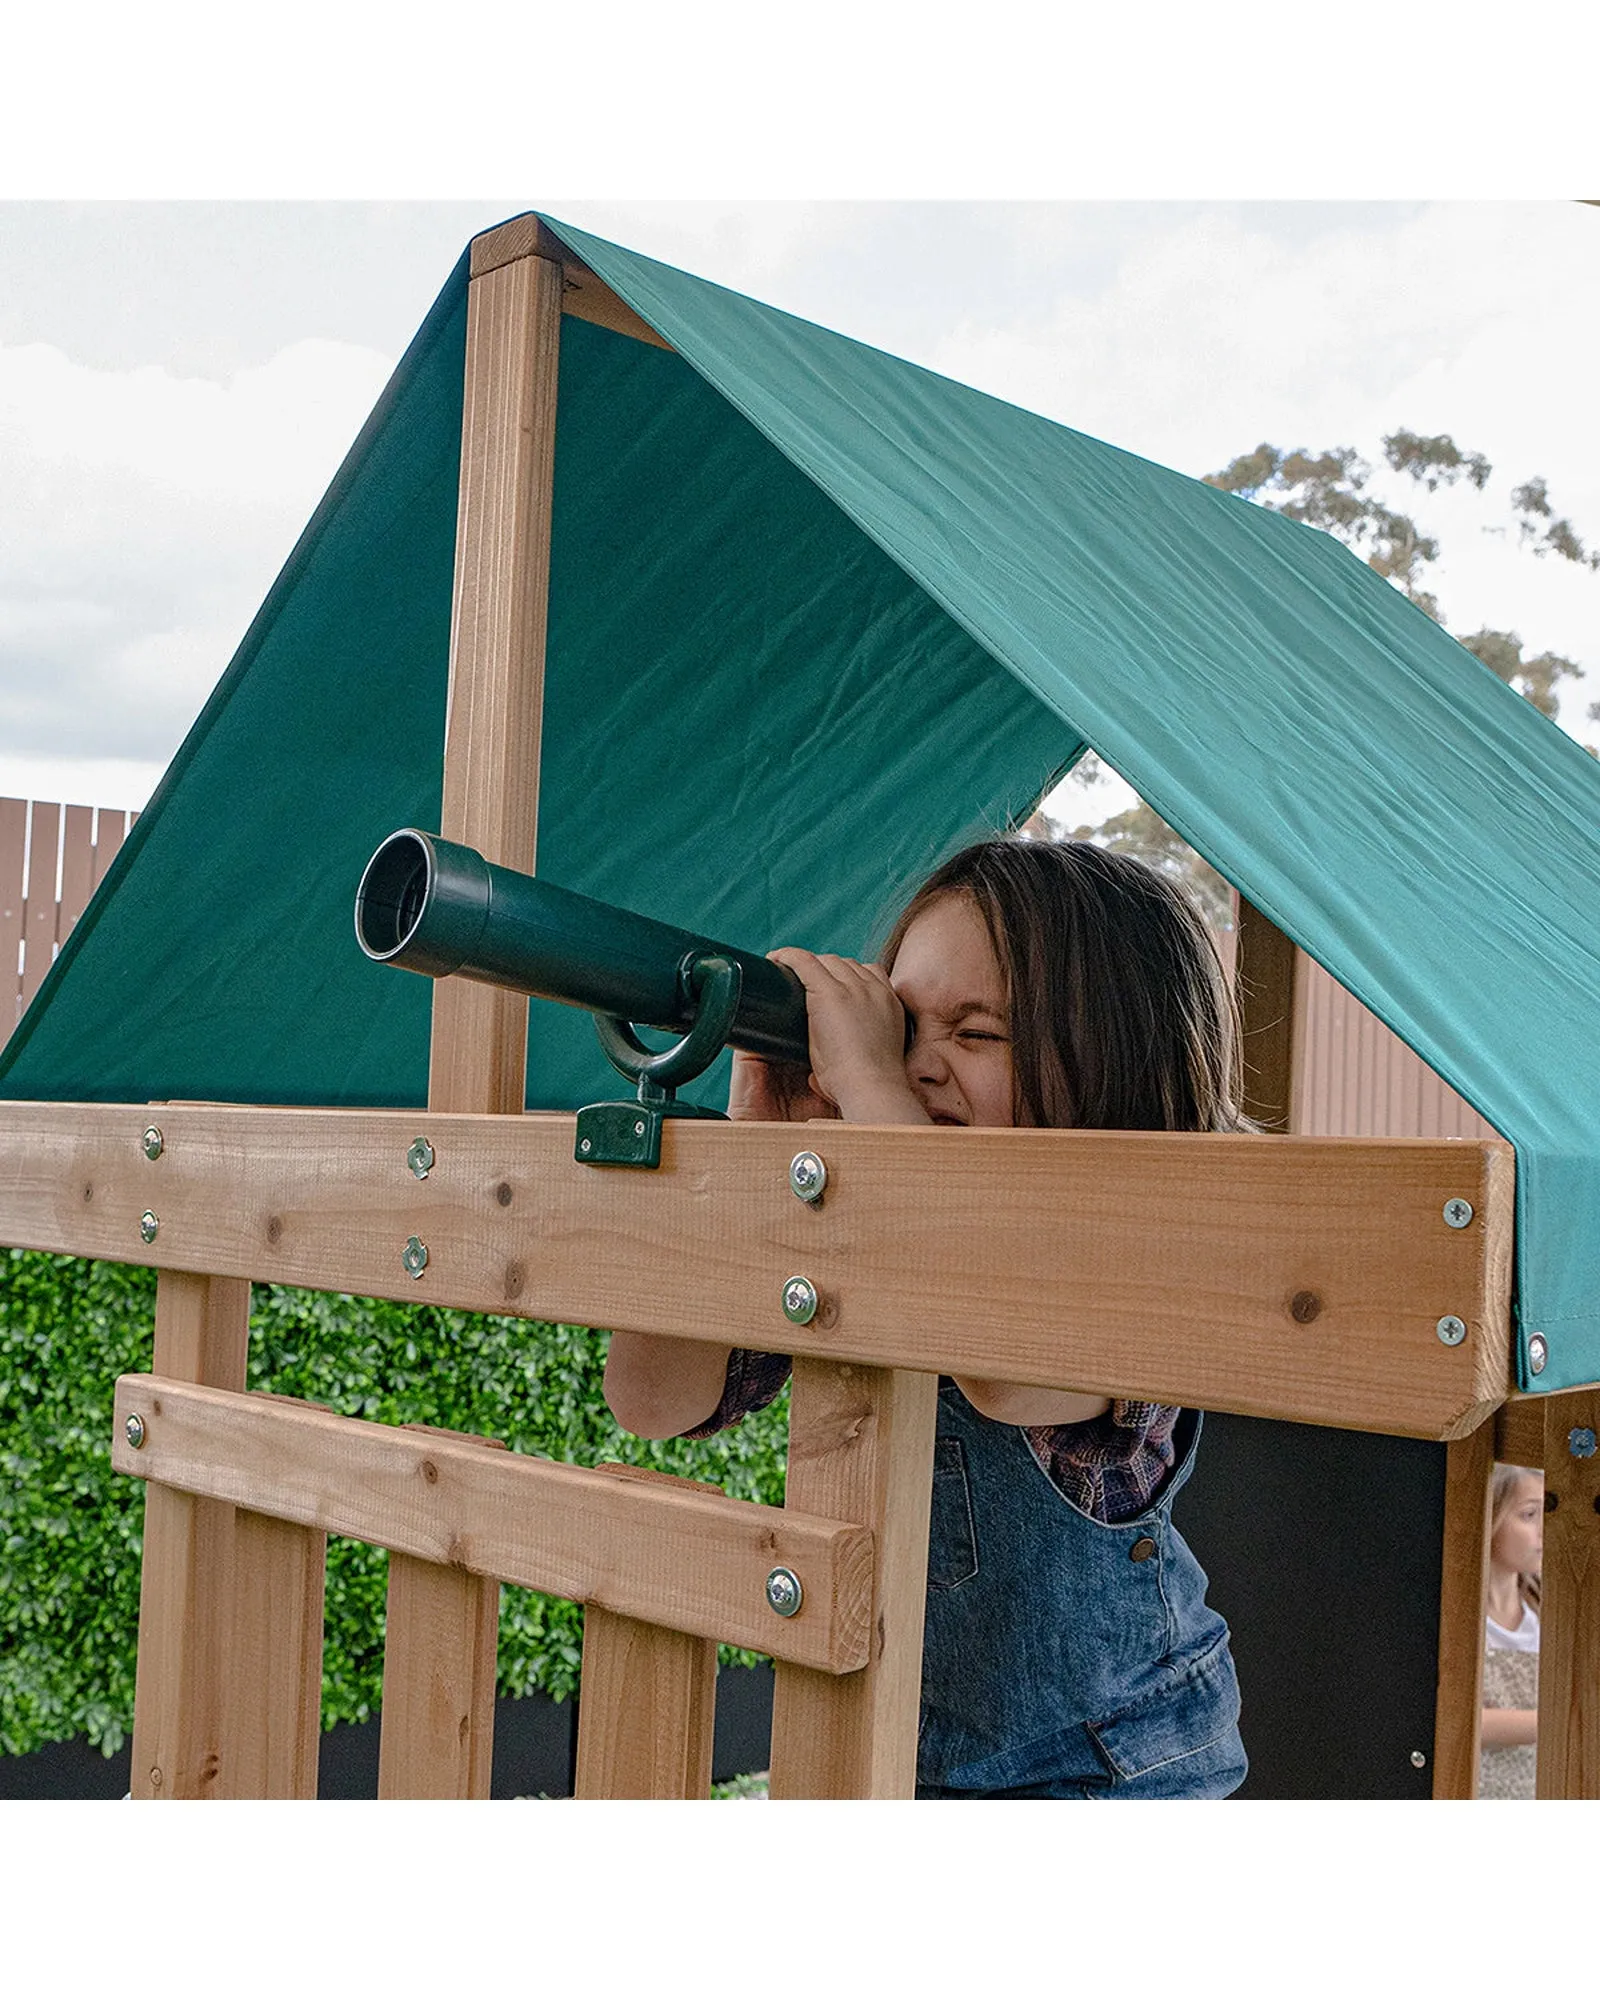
1183 1740
952 1537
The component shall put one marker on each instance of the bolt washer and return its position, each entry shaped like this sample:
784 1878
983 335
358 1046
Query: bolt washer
784 1593
799 1301
808 1176
149 1225
133 1431
152 1142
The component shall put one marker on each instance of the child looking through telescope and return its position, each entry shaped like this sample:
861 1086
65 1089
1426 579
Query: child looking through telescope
1068 1648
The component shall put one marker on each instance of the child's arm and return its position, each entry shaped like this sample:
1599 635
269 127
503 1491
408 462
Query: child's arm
1503 1727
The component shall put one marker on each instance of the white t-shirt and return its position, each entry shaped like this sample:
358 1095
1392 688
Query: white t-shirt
1525 1639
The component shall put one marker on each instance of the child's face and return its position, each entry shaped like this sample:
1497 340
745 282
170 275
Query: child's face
1518 1542
958 1021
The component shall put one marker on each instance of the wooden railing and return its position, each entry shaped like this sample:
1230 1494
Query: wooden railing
52 859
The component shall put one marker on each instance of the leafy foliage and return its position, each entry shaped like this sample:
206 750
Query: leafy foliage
70 1528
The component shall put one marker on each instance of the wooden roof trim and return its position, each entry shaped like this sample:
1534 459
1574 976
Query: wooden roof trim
582 294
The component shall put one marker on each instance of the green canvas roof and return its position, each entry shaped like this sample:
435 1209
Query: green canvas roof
817 615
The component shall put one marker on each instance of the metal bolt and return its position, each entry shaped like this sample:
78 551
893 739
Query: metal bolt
638 1128
784 1593
1451 1331
799 1300
1581 1442
1458 1213
808 1176
149 1223
415 1257
585 1145
133 1431
1538 1353
1418 1759
419 1158
152 1142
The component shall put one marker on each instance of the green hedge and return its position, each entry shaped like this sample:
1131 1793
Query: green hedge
70 1528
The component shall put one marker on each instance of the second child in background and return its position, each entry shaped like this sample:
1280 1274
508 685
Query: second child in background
1511 1657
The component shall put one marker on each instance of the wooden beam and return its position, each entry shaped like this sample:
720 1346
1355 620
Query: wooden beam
272 1708
188 1627
1569 1600
1519 1431
1265 979
861 1439
646 1710
1463 1580
671 1555
1274 1276
441 1634
497 635
584 295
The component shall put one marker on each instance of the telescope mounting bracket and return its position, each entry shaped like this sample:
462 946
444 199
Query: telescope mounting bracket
628 1133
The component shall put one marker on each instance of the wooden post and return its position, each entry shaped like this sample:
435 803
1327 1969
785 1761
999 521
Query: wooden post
861 1448
185 1595
1265 980
1464 1576
444 1676
1569 1604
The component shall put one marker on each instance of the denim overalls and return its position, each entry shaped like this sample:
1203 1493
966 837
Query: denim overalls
1063 1658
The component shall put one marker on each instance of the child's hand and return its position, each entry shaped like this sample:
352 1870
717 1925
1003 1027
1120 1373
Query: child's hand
858 1039
775 1092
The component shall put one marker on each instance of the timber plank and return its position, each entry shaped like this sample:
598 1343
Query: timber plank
675 1556
1269 1275
1463 1581
646 1710
1569 1600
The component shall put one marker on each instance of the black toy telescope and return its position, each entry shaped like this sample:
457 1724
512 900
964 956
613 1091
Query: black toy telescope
434 906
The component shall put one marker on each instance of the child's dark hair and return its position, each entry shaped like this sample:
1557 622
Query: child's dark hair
1121 1016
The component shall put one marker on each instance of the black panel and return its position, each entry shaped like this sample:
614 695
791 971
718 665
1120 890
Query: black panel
1323 1548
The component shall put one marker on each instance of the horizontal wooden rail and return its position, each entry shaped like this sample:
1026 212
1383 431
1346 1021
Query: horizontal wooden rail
1274 1276
669 1554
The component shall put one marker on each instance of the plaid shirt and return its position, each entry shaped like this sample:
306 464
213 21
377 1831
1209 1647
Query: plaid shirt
1110 1468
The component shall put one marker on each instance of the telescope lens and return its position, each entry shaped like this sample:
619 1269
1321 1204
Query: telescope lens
393 891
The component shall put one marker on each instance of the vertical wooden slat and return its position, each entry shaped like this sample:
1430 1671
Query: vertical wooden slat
1569 1601
111 829
77 868
273 1699
491 791
186 1608
39 906
13 848
1464 1576
1265 978
646 1711
861 1449
441 1636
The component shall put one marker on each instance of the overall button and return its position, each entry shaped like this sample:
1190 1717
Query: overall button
1142 1550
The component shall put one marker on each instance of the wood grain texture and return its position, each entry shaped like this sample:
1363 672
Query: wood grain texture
497 636
584 295
273 1698
1463 1581
646 1710
1265 978
1273 1276
1569 1603
862 1439
441 1637
1519 1431
669 1554
182 1722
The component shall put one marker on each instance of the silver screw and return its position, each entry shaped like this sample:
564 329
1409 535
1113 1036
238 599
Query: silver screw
638 1129
1580 1443
799 1300
784 1593
808 1176
1418 1759
419 1158
152 1142
1458 1213
415 1257
133 1431
1538 1353
585 1145
1451 1331
149 1223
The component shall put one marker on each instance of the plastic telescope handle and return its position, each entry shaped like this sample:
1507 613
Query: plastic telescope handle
434 906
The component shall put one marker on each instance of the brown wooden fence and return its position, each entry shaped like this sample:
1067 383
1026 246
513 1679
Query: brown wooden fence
52 858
